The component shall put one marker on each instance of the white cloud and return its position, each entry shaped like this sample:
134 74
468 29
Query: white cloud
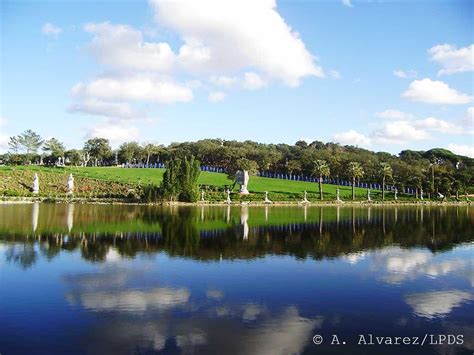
217 96
222 80
49 29
229 36
136 88
93 106
461 149
347 3
451 59
123 47
434 92
436 303
440 126
252 81
399 132
351 137
116 131
395 115
334 74
405 74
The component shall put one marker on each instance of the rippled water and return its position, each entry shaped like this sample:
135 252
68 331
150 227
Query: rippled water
233 280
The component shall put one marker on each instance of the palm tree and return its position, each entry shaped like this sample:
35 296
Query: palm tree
386 172
321 169
355 172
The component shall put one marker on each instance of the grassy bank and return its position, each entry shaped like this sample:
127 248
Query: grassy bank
113 182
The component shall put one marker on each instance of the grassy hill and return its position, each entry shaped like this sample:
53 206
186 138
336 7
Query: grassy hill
100 178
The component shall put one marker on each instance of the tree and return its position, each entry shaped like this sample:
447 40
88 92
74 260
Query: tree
129 151
180 180
293 166
73 157
14 144
54 148
321 169
386 172
97 148
28 141
148 150
355 171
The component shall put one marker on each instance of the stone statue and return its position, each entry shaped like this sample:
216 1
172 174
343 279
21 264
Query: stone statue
70 184
396 194
305 197
338 199
202 196
368 195
228 196
36 184
421 194
242 178
266 198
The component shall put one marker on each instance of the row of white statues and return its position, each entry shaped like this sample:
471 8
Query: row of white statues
69 184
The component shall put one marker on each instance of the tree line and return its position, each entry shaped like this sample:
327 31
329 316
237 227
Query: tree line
433 171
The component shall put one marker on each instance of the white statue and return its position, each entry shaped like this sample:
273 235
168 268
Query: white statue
202 196
228 196
266 198
242 178
70 184
396 194
305 197
368 195
338 199
36 184
421 194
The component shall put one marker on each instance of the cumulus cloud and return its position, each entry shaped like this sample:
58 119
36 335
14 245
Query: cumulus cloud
436 303
50 29
398 132
435 92
351 137
451 59
405 74
116 131
222 80
217 96
462 149
97 107
123 47
134 88
229 36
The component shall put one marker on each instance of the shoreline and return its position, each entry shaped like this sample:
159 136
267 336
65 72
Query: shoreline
6 200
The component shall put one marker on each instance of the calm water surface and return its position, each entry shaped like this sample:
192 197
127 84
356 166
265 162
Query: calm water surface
238 280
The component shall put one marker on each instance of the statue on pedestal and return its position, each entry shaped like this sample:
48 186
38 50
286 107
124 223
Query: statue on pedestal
338 199
368 195
396 194
305 197
266 198
242 178
202 196
36 184
70 184
228 196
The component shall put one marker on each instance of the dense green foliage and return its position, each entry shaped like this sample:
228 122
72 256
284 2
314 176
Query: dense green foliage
434 171
180 180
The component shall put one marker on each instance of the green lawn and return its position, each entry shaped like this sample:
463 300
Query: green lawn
257 184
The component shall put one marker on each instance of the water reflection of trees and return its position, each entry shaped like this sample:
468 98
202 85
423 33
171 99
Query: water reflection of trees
228 236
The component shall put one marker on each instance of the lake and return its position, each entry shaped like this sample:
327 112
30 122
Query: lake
121 279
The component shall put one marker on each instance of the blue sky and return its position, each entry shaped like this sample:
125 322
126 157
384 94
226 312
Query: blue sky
382 75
